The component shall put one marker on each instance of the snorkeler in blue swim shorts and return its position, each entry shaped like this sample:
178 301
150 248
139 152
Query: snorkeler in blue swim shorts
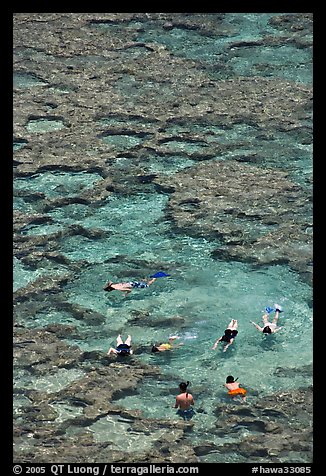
138 284
128 286
184 402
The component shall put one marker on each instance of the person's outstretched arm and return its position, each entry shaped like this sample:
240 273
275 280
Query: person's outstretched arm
257 326
228 345
215 344
111 350
178 345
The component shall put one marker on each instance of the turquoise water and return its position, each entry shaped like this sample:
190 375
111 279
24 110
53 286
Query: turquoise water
26 80
283 61
57 184
19 144
205 293
202 294
44 125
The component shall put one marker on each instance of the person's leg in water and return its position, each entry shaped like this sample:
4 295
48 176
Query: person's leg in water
277 315
278 309
128 341
119 340
186 414
265 319
239 398
233 325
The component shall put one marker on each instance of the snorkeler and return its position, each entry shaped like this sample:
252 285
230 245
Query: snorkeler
122 348
229 335
127 287
162 347
184 401
234 388
270 327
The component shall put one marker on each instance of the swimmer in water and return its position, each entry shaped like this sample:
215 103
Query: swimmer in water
229 335
270 327
127 287
162 347
122 348
234 388
184 401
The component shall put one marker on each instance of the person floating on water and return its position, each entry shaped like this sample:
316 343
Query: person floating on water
234 388
127 287
184 401
270 327
122 348
162 347
229 335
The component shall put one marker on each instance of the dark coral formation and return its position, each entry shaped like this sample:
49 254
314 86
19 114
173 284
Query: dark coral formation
259 215
275 426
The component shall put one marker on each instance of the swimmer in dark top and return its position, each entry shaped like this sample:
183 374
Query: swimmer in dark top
122 348
229 335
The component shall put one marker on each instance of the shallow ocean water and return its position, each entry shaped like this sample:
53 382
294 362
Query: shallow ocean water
203 293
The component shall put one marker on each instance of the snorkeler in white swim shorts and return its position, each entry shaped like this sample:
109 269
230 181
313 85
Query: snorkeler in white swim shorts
270 327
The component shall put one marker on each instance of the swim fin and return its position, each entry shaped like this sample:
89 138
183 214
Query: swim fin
159 274
269 309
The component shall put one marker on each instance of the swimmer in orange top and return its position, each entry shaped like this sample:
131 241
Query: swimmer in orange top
184 401
234 388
